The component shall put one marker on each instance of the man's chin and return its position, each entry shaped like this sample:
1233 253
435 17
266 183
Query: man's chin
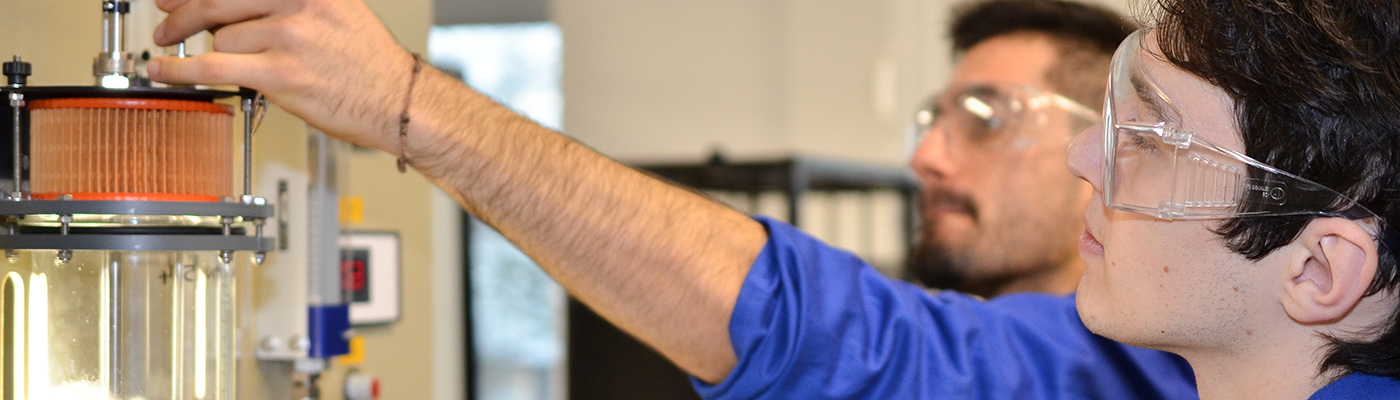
935 267
1094 312
947 236
1089 312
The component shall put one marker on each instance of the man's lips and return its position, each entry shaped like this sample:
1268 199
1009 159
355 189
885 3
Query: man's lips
1088 243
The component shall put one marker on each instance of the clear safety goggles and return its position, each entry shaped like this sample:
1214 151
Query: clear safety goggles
998 116
1155 166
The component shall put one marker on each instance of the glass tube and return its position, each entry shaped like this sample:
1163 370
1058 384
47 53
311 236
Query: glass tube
120 325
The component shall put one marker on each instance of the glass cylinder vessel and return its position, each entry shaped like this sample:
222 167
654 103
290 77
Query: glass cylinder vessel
116 325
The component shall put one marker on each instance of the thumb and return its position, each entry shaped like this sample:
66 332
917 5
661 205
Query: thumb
210 69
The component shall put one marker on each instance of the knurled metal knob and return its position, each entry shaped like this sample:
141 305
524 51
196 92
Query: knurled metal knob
17 72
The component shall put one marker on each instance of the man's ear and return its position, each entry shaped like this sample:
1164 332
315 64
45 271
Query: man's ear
1334 263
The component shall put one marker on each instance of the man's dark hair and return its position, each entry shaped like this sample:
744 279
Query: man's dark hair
1316 86
1085 35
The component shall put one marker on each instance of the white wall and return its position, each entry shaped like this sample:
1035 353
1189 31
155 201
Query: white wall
671 81
646 80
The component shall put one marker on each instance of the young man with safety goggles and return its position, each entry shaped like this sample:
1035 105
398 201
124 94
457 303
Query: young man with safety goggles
1244 173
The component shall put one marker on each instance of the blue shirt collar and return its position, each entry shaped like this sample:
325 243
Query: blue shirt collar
1359 386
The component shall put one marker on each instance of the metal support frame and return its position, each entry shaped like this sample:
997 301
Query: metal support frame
258 209
255 209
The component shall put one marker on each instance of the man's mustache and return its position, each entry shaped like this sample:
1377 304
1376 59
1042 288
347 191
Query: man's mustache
943 198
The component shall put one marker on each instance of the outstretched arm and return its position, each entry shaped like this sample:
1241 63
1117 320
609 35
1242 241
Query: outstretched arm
660 262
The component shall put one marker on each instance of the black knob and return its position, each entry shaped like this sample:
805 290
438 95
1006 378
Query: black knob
17 72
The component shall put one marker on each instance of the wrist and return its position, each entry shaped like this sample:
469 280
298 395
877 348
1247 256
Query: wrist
439 112
404 118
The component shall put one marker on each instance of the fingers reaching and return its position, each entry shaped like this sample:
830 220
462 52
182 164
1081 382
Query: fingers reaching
248 37
167 5
322 60
188 17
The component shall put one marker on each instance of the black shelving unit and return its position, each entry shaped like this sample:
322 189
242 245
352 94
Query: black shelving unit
795 177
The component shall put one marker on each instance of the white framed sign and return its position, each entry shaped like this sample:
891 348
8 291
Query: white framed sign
369 263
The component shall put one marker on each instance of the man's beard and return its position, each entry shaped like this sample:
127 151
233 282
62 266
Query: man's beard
935 266
931 261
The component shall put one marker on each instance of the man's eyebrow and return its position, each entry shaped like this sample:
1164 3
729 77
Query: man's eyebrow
1148 97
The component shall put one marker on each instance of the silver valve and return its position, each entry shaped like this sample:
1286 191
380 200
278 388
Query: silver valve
114 67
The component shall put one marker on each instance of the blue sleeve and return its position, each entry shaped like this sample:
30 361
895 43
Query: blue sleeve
813 322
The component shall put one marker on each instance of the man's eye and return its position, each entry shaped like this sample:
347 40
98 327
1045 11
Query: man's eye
1139 141
984 128
1143 144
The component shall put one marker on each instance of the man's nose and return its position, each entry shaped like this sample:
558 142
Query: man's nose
933 156
1085 155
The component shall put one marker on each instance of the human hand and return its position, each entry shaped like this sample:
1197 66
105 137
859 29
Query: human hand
329 62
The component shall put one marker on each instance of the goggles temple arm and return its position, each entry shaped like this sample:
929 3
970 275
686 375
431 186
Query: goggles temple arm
1167 131
1073 107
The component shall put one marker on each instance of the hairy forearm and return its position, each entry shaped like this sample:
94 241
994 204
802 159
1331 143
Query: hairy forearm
658 261
662 263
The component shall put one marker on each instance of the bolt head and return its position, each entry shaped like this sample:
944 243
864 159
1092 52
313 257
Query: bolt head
299 343
270 343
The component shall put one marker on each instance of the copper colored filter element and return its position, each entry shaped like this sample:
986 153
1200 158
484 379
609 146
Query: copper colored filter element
130 149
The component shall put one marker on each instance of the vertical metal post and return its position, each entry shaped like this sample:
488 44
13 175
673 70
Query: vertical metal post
248 145
16 75
115 43
17 103
799 180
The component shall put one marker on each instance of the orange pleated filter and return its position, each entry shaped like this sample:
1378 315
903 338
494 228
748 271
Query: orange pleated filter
130 149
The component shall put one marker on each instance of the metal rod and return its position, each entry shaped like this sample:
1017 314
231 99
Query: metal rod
248 146
116 30
16 104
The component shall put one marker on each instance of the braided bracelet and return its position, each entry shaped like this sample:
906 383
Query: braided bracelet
403 117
